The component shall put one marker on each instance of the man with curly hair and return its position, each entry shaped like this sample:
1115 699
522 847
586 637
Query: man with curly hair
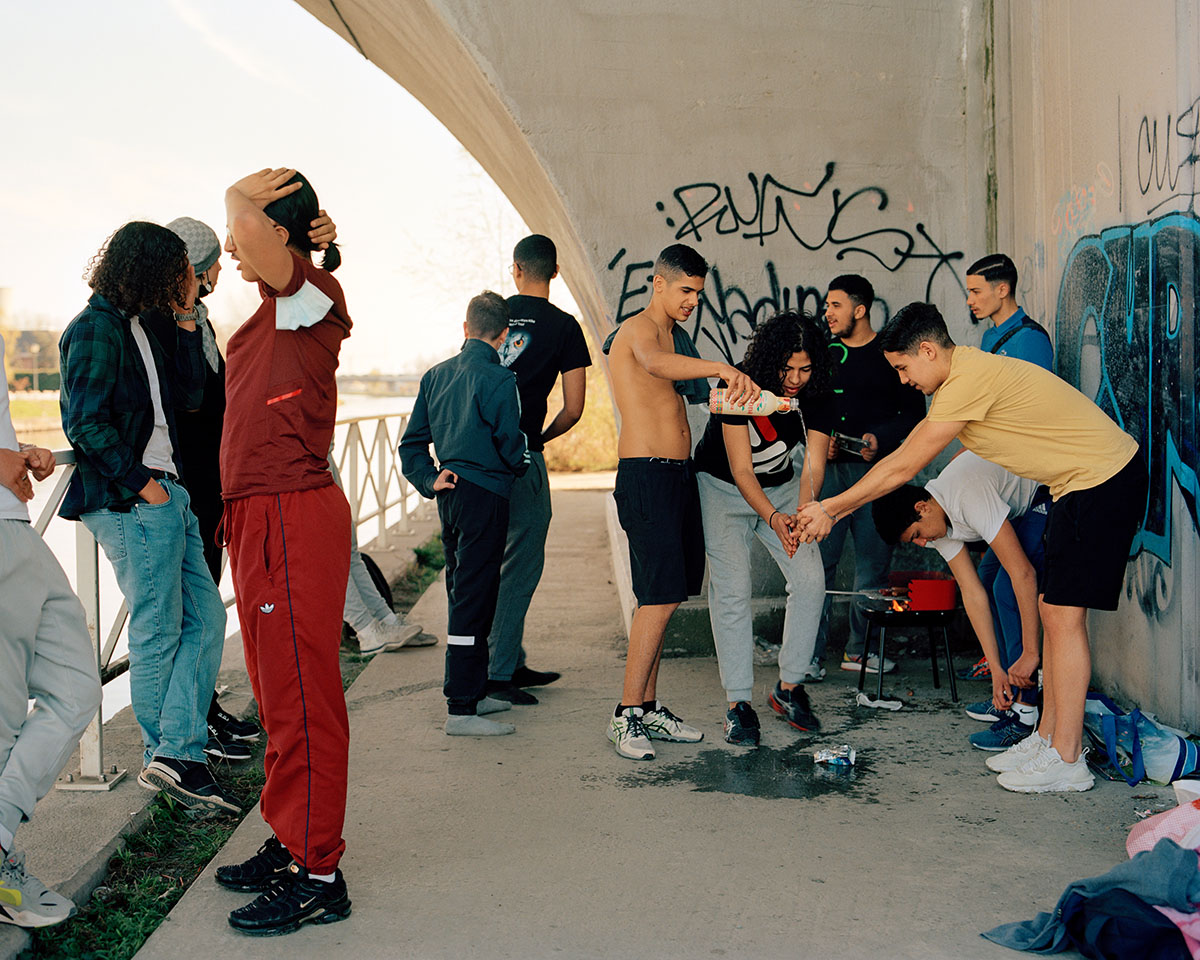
118 411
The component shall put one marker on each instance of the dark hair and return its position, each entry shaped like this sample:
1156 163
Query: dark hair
295 213
996 268
895 512
537 256
142 266
910 326
678 259
774 342
487 315
857 288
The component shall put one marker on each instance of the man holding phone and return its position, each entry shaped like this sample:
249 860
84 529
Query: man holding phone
872 414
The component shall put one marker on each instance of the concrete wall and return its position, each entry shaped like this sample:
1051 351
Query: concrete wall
1097 134
788 140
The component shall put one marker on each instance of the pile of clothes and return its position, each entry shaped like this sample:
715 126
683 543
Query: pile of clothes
1144 908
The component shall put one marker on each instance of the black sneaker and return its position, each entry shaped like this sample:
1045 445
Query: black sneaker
524 677
510 692
741 725
190 784
794 707
260 871
287 904
223 749
230 727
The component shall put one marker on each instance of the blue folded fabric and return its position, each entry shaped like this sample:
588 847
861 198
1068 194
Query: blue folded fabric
1166 876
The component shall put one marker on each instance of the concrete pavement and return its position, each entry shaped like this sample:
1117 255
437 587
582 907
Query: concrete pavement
546 843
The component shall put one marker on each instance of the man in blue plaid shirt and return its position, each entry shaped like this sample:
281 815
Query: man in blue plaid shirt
118 400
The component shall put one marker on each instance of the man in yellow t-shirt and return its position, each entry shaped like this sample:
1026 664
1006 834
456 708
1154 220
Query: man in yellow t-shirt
1038 426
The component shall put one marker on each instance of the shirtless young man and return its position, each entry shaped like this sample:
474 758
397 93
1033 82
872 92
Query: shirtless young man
657 500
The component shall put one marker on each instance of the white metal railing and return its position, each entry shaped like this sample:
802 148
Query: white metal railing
365 454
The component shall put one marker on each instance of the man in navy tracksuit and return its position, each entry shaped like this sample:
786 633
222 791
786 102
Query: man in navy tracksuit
468 408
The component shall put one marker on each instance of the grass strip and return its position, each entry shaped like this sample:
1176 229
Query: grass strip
157 864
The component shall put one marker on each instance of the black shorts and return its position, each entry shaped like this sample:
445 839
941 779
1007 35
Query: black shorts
1088 536
658 505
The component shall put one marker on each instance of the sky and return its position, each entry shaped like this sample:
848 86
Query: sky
149 109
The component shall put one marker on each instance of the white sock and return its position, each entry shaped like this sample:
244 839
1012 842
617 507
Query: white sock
6 839
1027 713
323 877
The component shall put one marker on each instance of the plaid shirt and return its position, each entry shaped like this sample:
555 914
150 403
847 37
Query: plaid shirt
107 413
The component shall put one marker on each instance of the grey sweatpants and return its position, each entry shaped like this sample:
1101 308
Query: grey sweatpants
524 558
46 655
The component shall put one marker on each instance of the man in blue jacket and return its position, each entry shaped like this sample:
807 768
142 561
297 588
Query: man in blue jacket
468 408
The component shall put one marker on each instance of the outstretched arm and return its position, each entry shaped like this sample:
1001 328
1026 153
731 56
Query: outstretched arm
669 365
928 439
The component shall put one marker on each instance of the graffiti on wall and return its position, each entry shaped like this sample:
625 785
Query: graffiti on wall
1126 330
1167 157
857 225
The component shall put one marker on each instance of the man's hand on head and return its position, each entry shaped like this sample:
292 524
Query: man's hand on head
14 474
324 230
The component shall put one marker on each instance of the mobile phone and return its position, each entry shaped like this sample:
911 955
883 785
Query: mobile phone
850 444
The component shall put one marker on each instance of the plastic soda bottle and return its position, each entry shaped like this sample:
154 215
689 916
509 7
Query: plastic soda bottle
766 404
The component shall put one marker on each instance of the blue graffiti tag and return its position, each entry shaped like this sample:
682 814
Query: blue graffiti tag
1128 306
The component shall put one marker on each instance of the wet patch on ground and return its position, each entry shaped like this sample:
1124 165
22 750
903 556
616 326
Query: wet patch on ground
773 774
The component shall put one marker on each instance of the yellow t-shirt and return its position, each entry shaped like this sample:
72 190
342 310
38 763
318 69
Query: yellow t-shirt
1031 422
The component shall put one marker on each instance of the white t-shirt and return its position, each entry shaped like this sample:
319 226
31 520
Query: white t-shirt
10 507
978 496
158 452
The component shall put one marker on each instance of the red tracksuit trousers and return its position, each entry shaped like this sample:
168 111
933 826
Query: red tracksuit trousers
290 554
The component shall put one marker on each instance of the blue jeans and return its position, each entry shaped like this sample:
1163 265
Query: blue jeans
1030 529
871 555
176 619
729 524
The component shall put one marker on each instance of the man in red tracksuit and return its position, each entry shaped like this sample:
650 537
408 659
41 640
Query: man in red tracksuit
287 527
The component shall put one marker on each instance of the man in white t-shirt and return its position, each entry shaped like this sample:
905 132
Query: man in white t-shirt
46 656
975 500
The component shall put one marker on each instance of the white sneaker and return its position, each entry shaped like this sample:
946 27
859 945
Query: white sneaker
27 902
375 638
401 633
814 673
628 735
662 724
853 663
1048 772
1018 754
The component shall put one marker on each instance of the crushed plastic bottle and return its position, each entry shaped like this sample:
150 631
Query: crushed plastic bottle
842 756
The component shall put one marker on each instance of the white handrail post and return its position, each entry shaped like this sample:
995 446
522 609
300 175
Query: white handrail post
92 775
352 473
382 443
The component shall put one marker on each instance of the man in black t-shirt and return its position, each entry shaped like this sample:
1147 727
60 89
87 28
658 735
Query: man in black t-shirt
542 343
868 402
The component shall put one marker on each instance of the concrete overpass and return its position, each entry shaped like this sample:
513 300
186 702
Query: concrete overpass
791 140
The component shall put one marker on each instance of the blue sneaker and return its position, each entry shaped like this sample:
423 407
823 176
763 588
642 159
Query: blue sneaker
986 712
1001 735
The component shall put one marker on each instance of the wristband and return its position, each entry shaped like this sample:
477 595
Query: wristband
771 517
831 516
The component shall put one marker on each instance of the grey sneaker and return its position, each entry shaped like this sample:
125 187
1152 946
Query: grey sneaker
401 632
815 672
662 724
1047 772
628 734
376 638
27 902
